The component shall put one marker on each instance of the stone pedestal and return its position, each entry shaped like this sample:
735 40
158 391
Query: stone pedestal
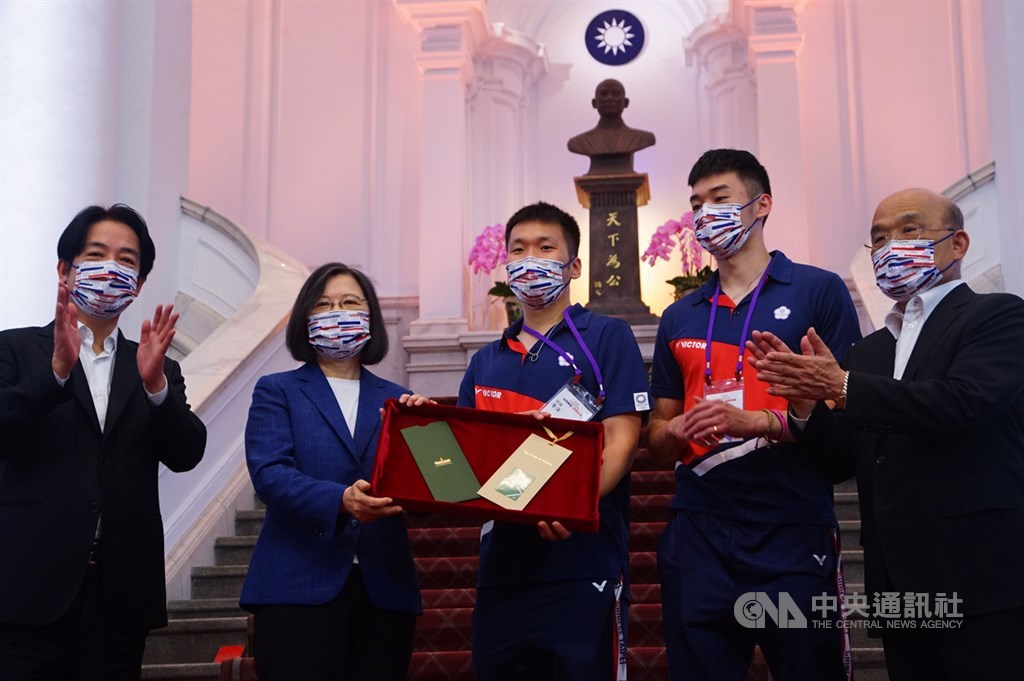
614 249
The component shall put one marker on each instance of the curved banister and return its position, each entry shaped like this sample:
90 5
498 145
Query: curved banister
252 285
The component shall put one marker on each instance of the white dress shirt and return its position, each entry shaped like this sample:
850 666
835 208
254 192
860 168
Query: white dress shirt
99 371
905 325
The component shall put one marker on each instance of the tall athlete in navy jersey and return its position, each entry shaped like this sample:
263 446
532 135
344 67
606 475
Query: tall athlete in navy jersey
550 604
751 513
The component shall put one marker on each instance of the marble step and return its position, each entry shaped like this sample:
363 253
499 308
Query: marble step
193 640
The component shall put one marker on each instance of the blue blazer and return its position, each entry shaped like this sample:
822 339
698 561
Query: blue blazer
301 457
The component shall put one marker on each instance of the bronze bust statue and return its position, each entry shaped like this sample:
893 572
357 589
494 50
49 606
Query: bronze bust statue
611 144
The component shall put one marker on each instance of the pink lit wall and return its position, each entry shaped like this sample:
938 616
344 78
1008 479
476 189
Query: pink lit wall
892 95
307 121
302 128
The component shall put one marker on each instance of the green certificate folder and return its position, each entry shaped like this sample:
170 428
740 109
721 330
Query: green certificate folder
442 462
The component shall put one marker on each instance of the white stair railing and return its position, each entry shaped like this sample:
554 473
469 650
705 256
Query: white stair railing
235 295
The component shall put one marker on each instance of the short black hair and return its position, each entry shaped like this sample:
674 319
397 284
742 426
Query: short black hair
73 240
549 215
297 333
743 163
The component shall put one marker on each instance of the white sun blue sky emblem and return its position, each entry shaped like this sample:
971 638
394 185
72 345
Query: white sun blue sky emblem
615 37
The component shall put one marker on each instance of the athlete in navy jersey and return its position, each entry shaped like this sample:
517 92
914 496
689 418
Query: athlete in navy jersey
550 604
751 513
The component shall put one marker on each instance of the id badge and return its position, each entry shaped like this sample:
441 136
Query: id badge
729 391
573 402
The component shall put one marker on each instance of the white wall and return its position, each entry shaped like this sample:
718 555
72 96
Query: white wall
301 130
1004 54
893 95
303 124
152 127
306 122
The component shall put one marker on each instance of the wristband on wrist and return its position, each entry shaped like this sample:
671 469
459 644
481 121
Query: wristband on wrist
783 424
771 416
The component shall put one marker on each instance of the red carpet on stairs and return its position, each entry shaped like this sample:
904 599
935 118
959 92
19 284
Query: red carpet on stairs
446 556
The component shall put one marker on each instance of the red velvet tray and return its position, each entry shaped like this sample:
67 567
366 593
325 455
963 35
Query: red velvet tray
488 438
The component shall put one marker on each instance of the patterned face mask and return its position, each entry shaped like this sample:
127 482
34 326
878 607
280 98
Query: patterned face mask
536 282
339 334
719 227
103 289
903 269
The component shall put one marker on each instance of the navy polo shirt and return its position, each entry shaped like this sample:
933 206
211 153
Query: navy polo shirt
740 480
503 376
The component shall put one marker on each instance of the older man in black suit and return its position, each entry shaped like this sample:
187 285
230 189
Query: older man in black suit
86 416
929 411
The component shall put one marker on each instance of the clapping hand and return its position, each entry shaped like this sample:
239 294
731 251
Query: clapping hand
154 340
803 379
66 341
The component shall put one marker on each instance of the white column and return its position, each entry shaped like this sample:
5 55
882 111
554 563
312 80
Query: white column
507 68
728 117
59 67
1003 24
775 41
152 158
450 33
93 110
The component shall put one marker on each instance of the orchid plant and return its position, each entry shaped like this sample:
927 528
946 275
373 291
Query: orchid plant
487 253
664 241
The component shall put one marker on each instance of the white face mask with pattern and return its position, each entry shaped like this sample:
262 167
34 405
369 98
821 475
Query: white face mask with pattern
537 282
906 268
339 334
719 227
103 289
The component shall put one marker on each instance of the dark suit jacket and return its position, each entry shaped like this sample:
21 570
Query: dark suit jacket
61 472
301 458
939 454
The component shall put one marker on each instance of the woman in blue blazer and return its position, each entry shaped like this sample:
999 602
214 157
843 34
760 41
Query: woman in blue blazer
332 581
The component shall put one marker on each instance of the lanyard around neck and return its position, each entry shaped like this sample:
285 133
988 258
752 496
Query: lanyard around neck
565 355
746 325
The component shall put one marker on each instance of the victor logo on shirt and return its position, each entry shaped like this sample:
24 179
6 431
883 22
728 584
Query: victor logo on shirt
493 399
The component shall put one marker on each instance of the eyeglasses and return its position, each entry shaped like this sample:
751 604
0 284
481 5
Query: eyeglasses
905 233
346 303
